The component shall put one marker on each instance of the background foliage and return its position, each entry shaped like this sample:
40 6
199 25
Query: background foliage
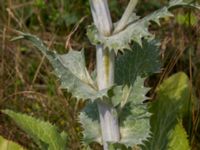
26 81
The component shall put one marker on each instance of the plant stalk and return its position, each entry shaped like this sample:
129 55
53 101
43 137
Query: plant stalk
101 16
105 72
125 17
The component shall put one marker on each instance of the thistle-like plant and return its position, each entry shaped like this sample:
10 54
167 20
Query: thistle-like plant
115 115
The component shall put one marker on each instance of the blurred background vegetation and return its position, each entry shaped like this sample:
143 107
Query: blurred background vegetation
27 83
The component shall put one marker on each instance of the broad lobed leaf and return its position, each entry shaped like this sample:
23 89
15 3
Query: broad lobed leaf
9 145
136 30
71 70
178 138
173 98
43 133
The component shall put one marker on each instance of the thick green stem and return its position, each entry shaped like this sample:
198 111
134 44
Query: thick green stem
125 17
105 72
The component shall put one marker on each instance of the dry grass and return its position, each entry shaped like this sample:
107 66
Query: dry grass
26 79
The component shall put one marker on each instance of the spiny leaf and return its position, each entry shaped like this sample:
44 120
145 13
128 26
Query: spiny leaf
134 94
9 145
71 70
133 116
172 99
128 97
187 3
89 119
142 61
135 31
75 62
39 130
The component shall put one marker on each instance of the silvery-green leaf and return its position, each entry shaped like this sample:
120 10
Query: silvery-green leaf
134 116
132 19
135 130
189 3
75 62
134 31
134 94
71 70
142 61
89 119
130 94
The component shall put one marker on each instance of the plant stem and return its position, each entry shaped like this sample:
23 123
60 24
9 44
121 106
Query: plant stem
101 16
125 17
105 72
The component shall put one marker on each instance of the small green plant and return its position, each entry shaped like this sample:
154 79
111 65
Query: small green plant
115 115
9 145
